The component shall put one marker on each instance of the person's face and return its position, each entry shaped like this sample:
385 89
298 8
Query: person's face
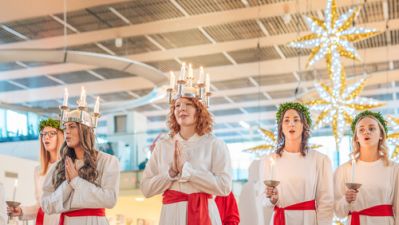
292 125
368 134
71 132
185 112
49 138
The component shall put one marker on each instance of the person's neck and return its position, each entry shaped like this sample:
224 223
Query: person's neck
79 152
53 156
187 132
293 146
369 154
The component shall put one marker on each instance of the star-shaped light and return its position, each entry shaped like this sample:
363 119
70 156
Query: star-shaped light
332 38
393 138
339 110
270 143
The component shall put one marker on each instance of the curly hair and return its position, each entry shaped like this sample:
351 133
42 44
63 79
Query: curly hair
304 148
382 146
89 169
203 118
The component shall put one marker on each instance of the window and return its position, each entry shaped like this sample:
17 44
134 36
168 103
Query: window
16 124
120 123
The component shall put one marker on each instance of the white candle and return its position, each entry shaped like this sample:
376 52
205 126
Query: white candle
97 105
201 76
182 71
65 103
15 189
190 72
172 80
207 83
353 168
271 167
82 100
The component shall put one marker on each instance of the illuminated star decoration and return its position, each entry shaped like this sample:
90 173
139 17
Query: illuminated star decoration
339 110
270 143
393 138
332 38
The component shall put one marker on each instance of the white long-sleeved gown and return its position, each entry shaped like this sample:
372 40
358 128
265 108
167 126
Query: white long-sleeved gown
81 194
379 187
302 178
207 169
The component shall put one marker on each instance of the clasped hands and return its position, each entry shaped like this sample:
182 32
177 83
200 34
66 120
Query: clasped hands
70 169
178 161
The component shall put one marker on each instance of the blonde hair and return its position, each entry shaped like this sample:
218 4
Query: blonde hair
382 146
45 156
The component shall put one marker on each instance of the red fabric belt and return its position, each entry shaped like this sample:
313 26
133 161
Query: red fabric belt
82 212
197 205
40 217
279 215
378 210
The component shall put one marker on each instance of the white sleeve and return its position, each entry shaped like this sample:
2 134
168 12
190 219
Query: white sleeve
218 180
3 207
89 195
324 192
341 206
395 203
155 180
30 212
55 200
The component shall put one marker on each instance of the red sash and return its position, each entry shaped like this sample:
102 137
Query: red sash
82 212
197 206
378 210
39 217
279 215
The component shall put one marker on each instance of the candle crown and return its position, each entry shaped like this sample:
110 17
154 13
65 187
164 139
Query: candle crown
81 113
188 86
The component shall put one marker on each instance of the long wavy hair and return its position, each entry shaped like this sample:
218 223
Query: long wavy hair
203 118
89 169
45 155
382 146
304 147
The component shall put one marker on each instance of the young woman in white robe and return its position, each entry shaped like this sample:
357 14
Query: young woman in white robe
305 193
51 138
85 181
190 168
376 201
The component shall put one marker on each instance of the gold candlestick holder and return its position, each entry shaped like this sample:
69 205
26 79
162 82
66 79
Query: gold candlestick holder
271 183
353 186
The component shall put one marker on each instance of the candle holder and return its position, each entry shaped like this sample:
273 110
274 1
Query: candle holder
271 183
12 204
353 186
170 95
96 116
208 99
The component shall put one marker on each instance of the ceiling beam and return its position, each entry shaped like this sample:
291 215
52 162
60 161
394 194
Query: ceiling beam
25 9
171 25
92 88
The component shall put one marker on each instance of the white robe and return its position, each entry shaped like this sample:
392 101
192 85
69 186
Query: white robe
81 194
30 212
207 169
379 187
3 207
252 211
302 178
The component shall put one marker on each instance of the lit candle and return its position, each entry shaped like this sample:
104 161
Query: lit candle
15 189
201 76
172 80
65 103
182 71
353 168
97 105
82 101
271 167
190 72
207 83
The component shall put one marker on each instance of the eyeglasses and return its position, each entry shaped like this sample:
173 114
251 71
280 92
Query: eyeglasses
49 133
